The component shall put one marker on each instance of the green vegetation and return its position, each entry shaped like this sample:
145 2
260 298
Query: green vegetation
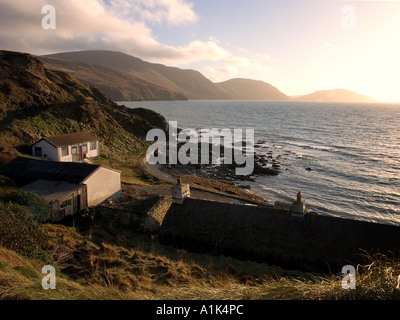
20 232
21 213
5 88
39 208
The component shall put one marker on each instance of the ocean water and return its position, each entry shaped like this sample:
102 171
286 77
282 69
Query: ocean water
353 150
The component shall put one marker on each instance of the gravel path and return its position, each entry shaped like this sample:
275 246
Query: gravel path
201 188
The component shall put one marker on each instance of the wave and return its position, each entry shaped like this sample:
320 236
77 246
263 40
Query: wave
346 152
354 156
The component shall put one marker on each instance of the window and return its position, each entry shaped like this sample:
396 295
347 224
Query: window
66 203
38 152
74 150
64 151
84 148
93 145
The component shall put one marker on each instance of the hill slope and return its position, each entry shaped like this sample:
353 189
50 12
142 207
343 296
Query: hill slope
189 83
117 85
124 77
37 102
247 89
337 95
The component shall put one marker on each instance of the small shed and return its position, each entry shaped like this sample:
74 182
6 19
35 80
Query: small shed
68 186
65 198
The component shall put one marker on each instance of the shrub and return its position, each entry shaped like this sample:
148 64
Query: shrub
6 182
5 157
5 88
20 232
39 208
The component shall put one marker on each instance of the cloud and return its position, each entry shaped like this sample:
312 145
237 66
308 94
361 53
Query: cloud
174 12
243 67
119 21
119 25
80 25
96 24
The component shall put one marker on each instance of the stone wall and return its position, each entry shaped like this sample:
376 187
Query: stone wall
154 218
312 243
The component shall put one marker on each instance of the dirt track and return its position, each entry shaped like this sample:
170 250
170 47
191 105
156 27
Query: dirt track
201 188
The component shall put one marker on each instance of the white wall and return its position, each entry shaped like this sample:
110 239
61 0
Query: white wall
48 149
90 153
67 158
54 153
102 184
93 153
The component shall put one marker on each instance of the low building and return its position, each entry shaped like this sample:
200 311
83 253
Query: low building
65 198
72 147
68 186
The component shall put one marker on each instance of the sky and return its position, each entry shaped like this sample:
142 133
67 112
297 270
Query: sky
299 46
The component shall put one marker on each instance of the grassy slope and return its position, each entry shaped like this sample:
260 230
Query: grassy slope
117 85
189 83
149 270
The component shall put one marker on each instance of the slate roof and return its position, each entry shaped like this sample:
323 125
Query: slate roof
52 190
69 139
27 170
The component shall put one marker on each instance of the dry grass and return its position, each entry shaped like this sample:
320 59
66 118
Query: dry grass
152 272
130 165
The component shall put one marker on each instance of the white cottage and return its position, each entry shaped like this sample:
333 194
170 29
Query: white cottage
72 147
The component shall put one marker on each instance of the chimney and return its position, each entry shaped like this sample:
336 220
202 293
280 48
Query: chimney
298 208
180 192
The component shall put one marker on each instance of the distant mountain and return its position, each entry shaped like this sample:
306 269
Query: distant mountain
37 102
123 77
337 95
116 69
247 89
117 85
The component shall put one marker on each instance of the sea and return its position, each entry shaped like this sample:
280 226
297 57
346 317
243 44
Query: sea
343 157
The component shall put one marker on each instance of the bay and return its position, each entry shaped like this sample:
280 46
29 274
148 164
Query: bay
343 157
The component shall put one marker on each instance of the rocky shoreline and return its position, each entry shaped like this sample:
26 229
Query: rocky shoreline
221 179
265 163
